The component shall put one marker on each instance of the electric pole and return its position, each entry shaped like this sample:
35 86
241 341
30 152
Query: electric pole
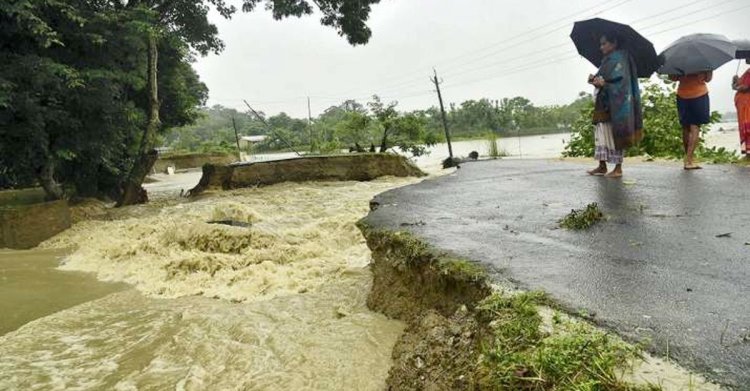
270 129
309 126
437 82
237 137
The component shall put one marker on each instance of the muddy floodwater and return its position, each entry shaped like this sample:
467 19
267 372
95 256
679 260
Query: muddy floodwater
156 297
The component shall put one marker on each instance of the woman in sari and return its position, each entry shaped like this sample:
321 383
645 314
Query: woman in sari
618 119
742 102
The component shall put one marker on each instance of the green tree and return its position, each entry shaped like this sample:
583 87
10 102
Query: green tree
405 131
88 86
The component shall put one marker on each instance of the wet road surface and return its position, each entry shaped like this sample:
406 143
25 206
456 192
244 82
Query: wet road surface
669 265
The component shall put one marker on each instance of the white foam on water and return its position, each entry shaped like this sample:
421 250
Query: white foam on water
290 313
300 237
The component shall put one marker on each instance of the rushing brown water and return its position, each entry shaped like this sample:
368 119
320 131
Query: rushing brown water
31 287
276 304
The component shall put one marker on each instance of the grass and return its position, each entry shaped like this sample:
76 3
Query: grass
580 219
574 356
461 269
492 150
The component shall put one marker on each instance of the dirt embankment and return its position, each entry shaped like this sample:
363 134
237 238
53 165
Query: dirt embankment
27 219
192 160
435 295
464 334
354 167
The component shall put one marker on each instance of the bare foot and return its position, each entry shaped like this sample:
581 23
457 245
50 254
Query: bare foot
599 171
692 167
614 174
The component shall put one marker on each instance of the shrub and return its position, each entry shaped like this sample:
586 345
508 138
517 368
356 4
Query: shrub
661 127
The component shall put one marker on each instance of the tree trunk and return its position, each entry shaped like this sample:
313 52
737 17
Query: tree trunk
47 181
133 191
384 142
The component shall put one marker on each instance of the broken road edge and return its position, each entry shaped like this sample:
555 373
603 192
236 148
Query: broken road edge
465 332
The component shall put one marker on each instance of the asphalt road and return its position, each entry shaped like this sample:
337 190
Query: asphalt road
653 270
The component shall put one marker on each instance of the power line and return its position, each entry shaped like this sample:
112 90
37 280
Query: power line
543 51
506 41
557 61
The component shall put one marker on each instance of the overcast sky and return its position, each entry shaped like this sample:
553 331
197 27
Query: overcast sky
481 48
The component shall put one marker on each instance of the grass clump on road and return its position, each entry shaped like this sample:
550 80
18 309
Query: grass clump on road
580 219
519 354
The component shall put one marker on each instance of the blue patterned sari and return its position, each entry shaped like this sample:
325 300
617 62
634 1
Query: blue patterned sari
621 98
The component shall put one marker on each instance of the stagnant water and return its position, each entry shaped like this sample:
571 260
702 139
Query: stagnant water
275 303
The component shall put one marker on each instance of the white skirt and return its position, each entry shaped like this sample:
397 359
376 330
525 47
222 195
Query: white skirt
604 144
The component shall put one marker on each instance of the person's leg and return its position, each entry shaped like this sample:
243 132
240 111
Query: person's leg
685 138
600 170
693 135
600 151
616 172
616 158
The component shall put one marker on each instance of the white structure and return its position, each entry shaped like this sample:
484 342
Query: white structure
246 146
247 142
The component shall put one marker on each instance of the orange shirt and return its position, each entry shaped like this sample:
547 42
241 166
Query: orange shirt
692 86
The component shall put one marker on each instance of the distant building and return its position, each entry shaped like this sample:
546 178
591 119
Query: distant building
246 142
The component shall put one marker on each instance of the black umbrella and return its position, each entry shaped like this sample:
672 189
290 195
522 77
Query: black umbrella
743 48
587 33
697 53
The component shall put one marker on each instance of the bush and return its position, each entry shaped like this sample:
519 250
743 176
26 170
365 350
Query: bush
661 127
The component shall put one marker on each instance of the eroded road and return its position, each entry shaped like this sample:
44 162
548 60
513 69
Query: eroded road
670 265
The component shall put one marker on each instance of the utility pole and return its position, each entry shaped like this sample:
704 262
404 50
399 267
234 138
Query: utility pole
237 137
261 119
309 125
437 82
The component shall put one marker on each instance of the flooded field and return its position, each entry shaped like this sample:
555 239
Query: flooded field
275 303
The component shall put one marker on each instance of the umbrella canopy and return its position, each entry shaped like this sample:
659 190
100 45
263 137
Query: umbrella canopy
697 53
587 33
743 48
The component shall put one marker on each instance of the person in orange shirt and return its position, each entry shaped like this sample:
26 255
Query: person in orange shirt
694 109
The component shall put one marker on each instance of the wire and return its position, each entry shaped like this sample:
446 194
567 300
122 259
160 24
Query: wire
506 41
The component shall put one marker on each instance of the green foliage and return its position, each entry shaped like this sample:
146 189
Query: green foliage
346 16
579 219
461 269
73 83
573 356
407 132
661 128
